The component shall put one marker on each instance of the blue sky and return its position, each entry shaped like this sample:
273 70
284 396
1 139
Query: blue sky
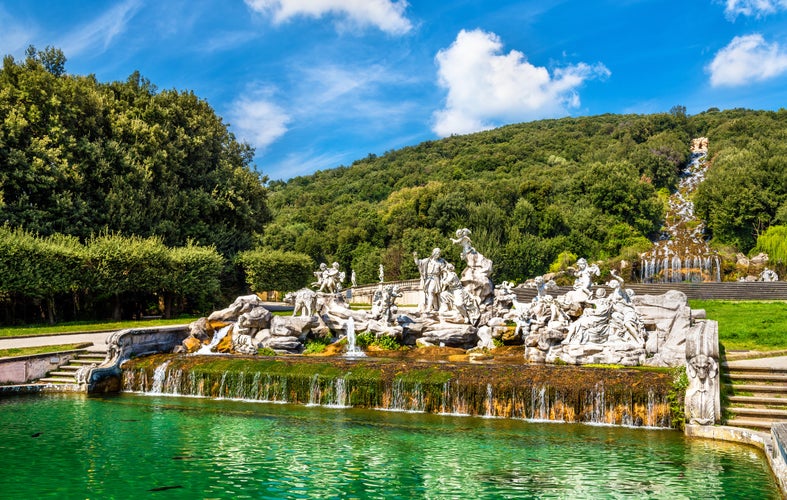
314 84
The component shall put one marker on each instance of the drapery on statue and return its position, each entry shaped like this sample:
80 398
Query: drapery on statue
430 269
456 296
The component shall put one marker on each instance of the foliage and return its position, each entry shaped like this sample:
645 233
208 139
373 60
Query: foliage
676 398
268 269
314 346
774 243
266 351
387 343
79 156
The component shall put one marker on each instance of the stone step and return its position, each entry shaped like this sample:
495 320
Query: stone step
760 377
774 414
772 388
61 373
71 368
100 356
748 369
758 400
750 423
57 380
83 361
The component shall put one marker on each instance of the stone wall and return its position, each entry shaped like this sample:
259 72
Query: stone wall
24 369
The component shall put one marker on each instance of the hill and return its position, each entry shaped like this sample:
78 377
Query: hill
592 186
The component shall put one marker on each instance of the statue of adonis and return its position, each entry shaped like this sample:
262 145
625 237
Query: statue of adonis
431 269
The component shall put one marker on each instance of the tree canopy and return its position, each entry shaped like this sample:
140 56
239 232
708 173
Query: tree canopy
79 156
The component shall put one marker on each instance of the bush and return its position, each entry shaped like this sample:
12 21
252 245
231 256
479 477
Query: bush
268 269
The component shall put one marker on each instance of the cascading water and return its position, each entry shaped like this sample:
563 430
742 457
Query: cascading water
576 396
353 351
217 337
681 254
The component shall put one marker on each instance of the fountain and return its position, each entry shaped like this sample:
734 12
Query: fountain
353 351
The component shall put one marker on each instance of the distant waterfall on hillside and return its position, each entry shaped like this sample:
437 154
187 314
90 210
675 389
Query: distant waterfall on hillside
681 254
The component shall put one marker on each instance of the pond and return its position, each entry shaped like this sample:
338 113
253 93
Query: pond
130 445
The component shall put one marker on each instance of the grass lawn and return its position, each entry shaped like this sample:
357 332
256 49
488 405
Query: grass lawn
43 349
84 326
748 324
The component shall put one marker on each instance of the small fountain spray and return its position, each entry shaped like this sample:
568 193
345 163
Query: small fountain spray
353 351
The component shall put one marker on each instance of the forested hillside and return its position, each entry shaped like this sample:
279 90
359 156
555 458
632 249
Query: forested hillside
78 156
591 186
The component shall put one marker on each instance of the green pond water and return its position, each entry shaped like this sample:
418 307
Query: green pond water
136 446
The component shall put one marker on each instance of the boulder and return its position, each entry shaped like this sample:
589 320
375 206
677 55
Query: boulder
192 344
450 335
242 304
252 321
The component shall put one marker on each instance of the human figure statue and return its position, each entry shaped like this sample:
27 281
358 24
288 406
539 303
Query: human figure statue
353 282
331 279
463 238
320 275
505 296
584 276
381 274
430 269
457 296
593 324
389 309
769 275
625 323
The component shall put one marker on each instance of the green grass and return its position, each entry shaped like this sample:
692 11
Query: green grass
44 349
87 327
747 324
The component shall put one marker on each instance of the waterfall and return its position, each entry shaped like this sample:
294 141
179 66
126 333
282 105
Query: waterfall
681 252
353 351
159 377
565 394
490 403
220 334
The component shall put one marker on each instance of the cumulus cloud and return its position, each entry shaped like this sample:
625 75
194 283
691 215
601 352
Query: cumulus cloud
256 119
386 15
753 8
487 88
746 59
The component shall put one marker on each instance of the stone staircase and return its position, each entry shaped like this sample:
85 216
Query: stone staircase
66 374
754 397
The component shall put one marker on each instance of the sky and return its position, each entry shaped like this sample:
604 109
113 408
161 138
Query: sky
315 84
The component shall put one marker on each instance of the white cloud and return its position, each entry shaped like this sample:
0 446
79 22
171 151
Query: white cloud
746 59
755 8
256 119
387 15
16 36
487 88
97 35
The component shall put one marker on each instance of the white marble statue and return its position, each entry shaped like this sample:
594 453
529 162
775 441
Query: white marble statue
430 269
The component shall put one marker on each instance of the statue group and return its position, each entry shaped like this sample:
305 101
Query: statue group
591 322
444 291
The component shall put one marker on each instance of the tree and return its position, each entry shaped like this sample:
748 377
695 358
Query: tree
124 265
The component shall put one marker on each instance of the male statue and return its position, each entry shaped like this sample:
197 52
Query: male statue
430 268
